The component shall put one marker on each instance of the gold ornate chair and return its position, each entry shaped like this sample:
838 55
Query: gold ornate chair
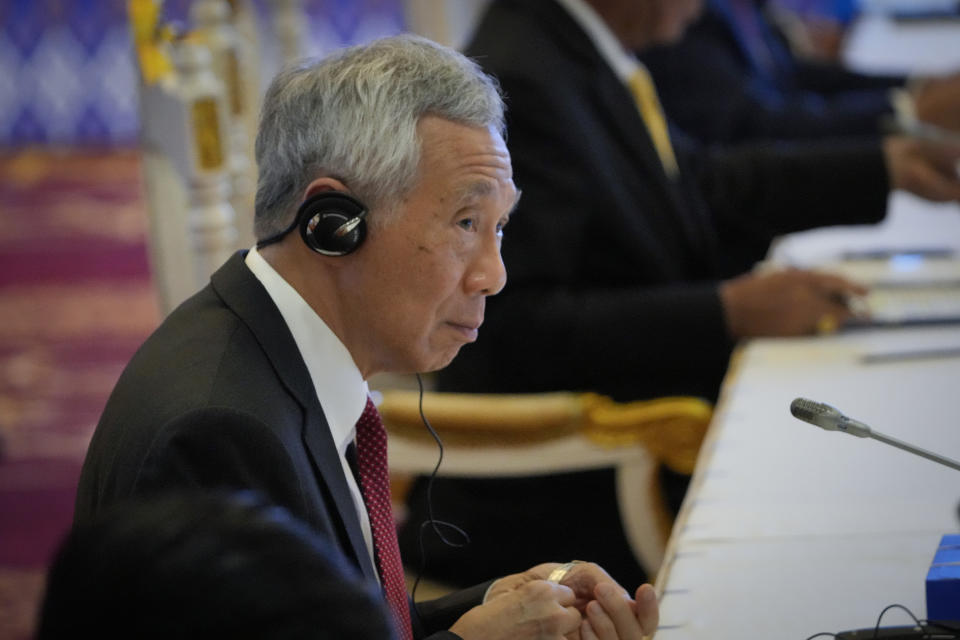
487 435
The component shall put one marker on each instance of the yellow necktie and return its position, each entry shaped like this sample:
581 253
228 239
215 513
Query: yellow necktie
645 94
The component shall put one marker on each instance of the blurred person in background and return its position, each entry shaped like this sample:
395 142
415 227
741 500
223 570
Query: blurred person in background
733 77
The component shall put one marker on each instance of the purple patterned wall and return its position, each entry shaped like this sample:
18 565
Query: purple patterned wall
67 75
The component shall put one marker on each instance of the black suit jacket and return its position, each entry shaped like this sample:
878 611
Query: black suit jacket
612 267
719 89
219 396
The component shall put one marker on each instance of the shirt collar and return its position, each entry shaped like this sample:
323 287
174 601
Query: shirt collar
338 383
621 61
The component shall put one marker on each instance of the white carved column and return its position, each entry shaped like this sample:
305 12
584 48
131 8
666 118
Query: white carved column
210 216
231 65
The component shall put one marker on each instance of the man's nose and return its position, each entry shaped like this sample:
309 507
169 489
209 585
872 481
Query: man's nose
488 275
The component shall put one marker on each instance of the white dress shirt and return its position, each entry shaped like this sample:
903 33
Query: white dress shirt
339 385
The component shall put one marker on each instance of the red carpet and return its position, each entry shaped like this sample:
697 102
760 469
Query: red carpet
75 302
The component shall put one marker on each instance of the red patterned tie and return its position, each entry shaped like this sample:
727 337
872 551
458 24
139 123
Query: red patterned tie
375 486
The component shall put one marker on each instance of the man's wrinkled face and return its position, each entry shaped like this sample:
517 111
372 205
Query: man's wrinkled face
422 284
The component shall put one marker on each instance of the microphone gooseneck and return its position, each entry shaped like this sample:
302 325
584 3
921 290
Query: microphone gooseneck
830 419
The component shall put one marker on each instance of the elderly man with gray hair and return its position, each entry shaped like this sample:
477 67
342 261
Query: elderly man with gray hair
384 188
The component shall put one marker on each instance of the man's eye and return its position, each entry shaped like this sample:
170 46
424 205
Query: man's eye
467 223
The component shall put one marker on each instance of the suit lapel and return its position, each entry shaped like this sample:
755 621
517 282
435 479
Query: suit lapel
243 293
320 444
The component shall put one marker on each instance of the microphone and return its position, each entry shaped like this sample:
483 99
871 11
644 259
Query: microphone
830 419
826 417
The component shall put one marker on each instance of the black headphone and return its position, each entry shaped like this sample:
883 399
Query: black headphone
331 223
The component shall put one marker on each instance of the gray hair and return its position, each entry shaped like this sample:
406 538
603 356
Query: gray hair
353 116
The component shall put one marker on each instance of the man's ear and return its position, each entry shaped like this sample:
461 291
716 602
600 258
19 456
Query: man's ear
325 183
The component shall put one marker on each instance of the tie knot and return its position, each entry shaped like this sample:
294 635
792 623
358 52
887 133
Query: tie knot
369 422
371 437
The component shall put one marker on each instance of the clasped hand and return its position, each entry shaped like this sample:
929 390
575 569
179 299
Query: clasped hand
587 605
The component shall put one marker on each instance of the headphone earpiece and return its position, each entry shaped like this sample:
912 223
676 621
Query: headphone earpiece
332 223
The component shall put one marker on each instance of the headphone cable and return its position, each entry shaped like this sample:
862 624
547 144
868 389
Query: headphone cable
431 521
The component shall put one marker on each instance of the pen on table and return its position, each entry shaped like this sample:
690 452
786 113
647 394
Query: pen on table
910 354
855 304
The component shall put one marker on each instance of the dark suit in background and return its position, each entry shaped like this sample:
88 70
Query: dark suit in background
219 396
613 271
733 77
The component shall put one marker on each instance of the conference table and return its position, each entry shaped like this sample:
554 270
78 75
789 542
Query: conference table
788 530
